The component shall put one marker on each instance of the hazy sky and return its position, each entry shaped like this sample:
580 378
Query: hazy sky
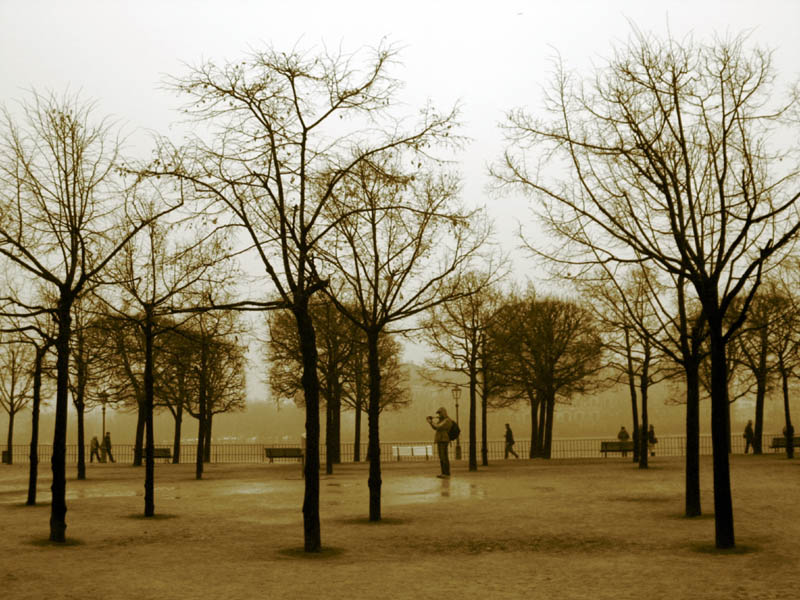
490 56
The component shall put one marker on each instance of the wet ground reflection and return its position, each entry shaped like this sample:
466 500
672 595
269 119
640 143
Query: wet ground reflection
430 489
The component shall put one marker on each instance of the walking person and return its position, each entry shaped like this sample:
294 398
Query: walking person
95 447
623 436
748 436
652 440
510 442
107 446
442 439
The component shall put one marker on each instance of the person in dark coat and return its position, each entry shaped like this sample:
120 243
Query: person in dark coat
107 446
623 436
510 442
442 439
748 436
95 447
652 440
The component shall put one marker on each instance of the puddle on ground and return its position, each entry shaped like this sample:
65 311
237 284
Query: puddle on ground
422 489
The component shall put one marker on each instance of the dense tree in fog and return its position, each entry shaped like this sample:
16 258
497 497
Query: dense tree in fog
401 244
342 366
457 332
669 159
37 329
552 350
632 330
89 359
335 338
16 382
286 129
61 201
216 361
785 344
159 271
762 328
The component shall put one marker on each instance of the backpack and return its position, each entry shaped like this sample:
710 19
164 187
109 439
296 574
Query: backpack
454 431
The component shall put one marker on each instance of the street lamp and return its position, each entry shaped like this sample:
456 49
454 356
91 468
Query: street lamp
456 393
103 400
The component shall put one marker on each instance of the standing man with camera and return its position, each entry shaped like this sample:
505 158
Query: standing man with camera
442 439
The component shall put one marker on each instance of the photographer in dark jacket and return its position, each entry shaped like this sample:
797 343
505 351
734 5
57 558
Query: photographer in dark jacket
442 439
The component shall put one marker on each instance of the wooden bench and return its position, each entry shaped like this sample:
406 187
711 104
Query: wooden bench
412 451
165 453
273 453
780 442
616 446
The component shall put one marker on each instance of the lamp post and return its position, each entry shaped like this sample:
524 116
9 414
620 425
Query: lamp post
103 400
456 392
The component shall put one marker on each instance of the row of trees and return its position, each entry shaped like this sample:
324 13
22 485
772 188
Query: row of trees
669 168
668 202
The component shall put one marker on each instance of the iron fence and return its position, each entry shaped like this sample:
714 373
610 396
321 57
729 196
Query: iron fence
562 448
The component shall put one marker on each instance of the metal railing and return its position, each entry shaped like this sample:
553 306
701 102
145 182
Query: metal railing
562 448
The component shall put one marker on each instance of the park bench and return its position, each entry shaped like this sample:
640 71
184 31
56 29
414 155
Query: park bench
273 453
165 453
780 442
615 446
412 451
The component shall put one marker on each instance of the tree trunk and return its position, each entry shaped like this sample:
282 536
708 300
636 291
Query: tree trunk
723 502
138 444
80 409
328 437
176 440
10 438
374 450
548 440
336 430
789 428
201 413
207 435
484 426
692 496
149 393
533 451
33 473
644 384
357 434
542 424
473 424
310 380
634 399
758 427
58 507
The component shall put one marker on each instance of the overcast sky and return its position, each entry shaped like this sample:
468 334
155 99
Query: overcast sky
490 56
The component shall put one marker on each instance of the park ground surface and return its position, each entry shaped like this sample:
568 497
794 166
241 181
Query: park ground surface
567 529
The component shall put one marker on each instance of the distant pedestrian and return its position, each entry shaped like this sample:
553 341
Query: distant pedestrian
748 436
652 440
107 446
510 442
442 439
95 447
623 436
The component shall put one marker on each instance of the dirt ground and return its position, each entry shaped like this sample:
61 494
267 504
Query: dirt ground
567 529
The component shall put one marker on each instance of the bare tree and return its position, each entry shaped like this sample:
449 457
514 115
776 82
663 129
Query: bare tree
156 273
402 245
16 383
457 332
552 350
669 161
60 196
287 128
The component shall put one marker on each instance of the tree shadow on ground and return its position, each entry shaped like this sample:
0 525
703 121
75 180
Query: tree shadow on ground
47 543
366 521
301 554
707 548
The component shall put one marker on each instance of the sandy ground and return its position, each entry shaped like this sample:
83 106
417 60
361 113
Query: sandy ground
517 529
